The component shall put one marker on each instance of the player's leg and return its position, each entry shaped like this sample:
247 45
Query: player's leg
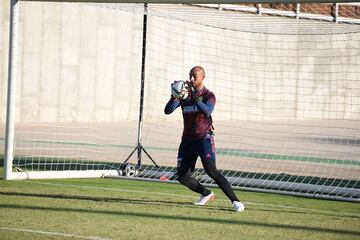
186 179
208 160
221 181
185 165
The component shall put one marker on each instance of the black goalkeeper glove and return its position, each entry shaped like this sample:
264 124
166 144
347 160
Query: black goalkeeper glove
193 93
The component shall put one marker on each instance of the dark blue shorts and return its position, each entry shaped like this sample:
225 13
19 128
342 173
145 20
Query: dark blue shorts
190 150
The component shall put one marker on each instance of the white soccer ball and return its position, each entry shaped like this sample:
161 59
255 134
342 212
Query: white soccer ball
178 89
131 171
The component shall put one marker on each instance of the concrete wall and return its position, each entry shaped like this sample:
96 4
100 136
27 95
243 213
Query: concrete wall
82 63
74 63
4 17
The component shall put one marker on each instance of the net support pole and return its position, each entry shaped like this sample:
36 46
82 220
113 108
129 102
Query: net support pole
297 11
142 86
139 148
11 90
335 11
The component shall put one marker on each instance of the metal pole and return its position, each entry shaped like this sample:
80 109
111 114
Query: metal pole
139 146
259 10
11 90
335 12
297 10
143 61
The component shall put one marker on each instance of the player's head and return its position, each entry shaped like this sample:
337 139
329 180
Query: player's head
196 76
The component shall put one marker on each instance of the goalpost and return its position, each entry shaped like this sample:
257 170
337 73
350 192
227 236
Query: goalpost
91 79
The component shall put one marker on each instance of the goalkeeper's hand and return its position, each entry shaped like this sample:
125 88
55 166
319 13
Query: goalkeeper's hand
193 93
177 88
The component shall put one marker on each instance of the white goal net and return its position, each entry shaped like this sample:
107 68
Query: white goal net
286 78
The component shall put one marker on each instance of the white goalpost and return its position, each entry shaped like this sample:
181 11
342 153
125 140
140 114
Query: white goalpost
88 82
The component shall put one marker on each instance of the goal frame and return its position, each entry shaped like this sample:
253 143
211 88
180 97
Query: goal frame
11 86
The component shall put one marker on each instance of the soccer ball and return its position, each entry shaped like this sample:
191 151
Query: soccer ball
131 171
178 89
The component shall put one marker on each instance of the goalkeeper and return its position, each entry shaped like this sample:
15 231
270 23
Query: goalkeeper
197 138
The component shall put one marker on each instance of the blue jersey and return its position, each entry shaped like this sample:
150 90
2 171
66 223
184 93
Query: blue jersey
196 113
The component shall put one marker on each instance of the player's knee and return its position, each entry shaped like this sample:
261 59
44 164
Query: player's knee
181 175
183 179
212 172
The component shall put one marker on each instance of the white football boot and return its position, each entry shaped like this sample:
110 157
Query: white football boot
238 206
204 199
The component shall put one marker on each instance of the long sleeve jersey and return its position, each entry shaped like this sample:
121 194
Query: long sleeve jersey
196 113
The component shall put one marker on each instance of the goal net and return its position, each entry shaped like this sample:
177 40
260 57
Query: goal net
286 78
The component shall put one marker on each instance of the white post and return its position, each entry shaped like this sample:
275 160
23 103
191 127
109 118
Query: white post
336 12
297 10
10 106
259 10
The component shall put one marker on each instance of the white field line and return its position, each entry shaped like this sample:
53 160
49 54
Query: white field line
192 197
51 233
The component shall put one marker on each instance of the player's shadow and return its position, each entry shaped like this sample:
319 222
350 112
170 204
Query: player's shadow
206 220
161 202
107 199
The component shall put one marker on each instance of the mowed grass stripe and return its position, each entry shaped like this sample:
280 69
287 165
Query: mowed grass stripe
192 197
67 235
128 209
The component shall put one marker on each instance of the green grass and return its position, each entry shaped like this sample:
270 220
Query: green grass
125 209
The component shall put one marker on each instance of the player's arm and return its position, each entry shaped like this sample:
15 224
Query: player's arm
171 105
177 93
206 105
207 108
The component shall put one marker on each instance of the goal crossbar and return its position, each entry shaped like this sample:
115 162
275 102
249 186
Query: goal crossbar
199 1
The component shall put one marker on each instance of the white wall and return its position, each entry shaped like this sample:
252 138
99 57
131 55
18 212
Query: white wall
78 62
4 17
74 62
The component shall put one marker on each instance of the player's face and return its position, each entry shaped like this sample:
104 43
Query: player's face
197 78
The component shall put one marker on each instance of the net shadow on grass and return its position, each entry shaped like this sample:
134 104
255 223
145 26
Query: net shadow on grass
302 212
155 216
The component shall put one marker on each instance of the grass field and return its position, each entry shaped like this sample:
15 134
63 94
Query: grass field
125 209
